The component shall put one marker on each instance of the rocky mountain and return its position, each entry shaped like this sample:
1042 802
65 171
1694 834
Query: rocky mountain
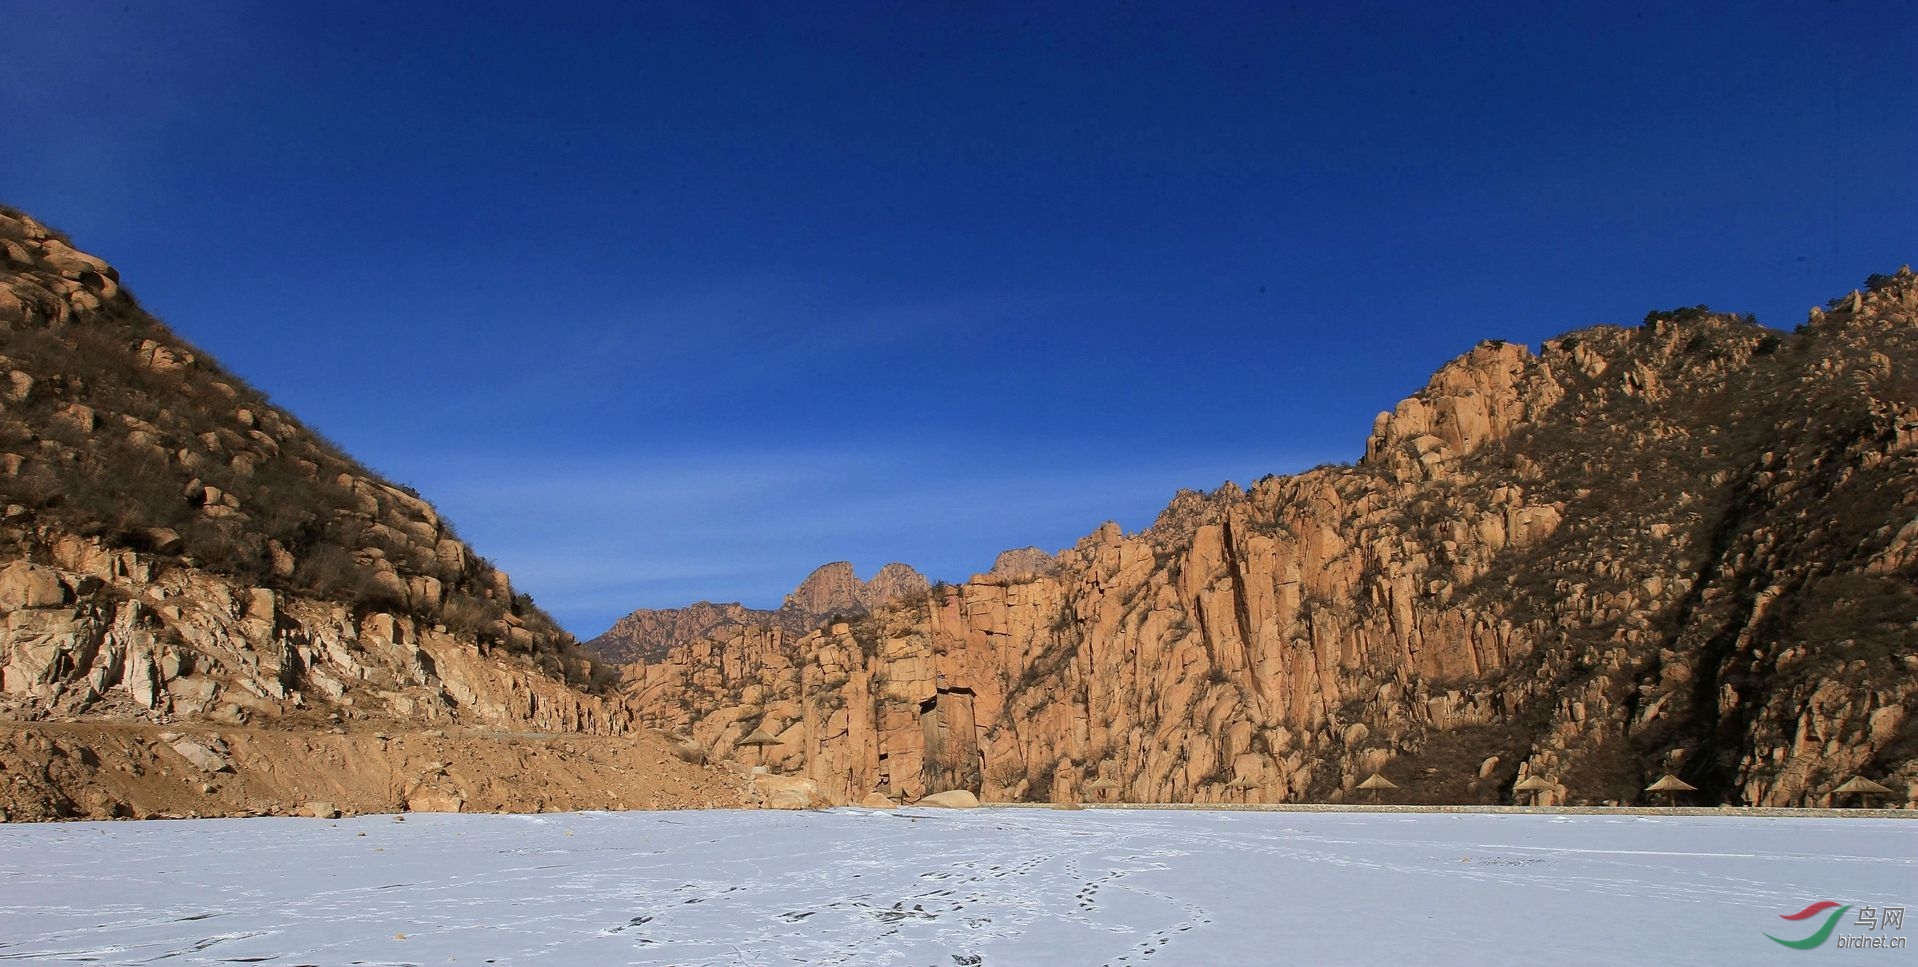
1689 546
835 589
1021 563
177 552
830 591
649 633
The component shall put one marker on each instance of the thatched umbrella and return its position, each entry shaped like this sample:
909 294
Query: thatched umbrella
1101 786
759 740
1862 788
1536 785
1671 786
1377 782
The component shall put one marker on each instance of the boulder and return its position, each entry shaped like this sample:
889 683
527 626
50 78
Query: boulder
25 585
878 800
951 799
163 540
788 799
787 792
429 800
18 387
205 757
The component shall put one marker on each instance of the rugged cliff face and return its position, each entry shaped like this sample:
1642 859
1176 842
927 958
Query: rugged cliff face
176 550
1687 546
830 591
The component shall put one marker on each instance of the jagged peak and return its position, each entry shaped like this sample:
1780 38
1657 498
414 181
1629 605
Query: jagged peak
836 587
1475 399
1020 564
1884 299
1190 509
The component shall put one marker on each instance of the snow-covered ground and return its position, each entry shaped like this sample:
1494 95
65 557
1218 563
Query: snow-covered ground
993 887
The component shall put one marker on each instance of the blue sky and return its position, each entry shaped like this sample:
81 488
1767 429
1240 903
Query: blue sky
668 302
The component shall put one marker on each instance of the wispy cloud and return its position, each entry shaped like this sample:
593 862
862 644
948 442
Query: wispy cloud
140 86
595 538
687 341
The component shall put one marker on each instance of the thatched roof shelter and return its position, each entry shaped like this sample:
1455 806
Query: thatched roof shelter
1538 786
1375 782
1862 787
1671 786
759 737
759 740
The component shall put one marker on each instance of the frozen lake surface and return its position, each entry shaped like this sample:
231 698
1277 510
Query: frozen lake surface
945 889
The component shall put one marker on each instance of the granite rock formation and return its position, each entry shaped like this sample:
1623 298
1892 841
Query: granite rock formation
835 589
1689 546
1020 564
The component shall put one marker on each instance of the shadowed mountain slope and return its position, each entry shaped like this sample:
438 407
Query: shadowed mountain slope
175 550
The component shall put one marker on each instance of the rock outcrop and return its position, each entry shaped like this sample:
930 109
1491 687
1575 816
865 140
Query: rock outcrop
1022 564
830 591
834 589
1689 547
175 550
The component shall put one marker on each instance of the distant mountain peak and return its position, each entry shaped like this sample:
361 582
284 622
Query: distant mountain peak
836 588
831 590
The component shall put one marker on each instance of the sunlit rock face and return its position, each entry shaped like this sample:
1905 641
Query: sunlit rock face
1687 547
